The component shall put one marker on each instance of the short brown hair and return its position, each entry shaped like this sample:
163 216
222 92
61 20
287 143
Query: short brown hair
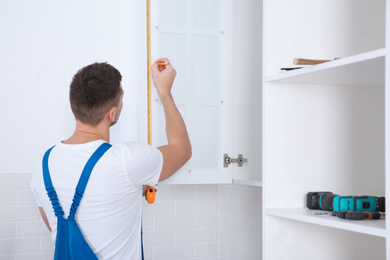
93 91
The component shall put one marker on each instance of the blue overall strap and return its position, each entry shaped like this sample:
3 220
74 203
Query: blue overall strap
49 185
85 177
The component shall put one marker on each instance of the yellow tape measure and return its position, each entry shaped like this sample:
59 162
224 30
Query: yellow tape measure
149 72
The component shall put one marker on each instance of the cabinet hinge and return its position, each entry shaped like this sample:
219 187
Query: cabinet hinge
240 160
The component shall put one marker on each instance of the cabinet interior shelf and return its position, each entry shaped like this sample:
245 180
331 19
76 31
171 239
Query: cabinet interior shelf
366 69
369 227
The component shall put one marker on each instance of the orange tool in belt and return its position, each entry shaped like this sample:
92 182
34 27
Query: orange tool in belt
150 195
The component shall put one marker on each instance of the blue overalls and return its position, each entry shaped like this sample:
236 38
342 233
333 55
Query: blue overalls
70 243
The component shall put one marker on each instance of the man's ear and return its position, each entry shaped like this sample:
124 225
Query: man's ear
112 114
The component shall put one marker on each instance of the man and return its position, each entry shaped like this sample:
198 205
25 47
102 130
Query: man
109 214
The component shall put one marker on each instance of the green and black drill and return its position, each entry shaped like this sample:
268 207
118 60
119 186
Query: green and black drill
348 207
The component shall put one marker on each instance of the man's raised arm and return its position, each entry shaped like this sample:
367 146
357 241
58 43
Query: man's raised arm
178 150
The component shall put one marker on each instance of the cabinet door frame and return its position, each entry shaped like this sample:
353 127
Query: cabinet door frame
188 175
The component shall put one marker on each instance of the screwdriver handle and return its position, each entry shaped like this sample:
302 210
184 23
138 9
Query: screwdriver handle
300 61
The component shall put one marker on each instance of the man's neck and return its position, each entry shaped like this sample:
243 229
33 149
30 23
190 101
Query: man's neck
86 133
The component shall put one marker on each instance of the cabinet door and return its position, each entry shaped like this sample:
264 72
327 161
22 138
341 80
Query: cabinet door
247 90
196 37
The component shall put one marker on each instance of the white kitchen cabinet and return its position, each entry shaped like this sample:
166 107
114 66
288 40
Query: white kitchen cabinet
217 88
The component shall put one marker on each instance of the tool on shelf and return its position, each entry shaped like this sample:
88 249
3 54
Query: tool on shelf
347 207
291 68
332 202
360 215
300 61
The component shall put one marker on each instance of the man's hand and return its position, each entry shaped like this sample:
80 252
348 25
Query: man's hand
163 76
44 217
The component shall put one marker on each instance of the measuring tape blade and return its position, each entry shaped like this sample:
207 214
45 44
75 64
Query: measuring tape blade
149 72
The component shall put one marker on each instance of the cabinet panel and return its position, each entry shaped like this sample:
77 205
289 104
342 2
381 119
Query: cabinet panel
206 141
323 138
289 239
321 30
247 90
198 43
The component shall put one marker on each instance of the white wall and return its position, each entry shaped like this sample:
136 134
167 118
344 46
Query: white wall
43 44
240 227
204 222
182 223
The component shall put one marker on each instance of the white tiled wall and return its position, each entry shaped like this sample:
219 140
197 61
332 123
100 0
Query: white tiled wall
240 222
23 235
186 222
182 223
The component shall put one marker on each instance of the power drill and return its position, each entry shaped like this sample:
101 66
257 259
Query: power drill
332 202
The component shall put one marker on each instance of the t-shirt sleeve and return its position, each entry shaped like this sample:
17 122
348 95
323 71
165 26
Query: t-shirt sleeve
143 164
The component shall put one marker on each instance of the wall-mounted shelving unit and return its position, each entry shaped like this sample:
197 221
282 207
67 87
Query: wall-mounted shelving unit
325 126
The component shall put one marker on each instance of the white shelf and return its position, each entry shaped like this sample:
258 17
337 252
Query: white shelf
366 69
257 183
369 227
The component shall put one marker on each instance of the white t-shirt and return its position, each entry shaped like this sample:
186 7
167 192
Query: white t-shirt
109 214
